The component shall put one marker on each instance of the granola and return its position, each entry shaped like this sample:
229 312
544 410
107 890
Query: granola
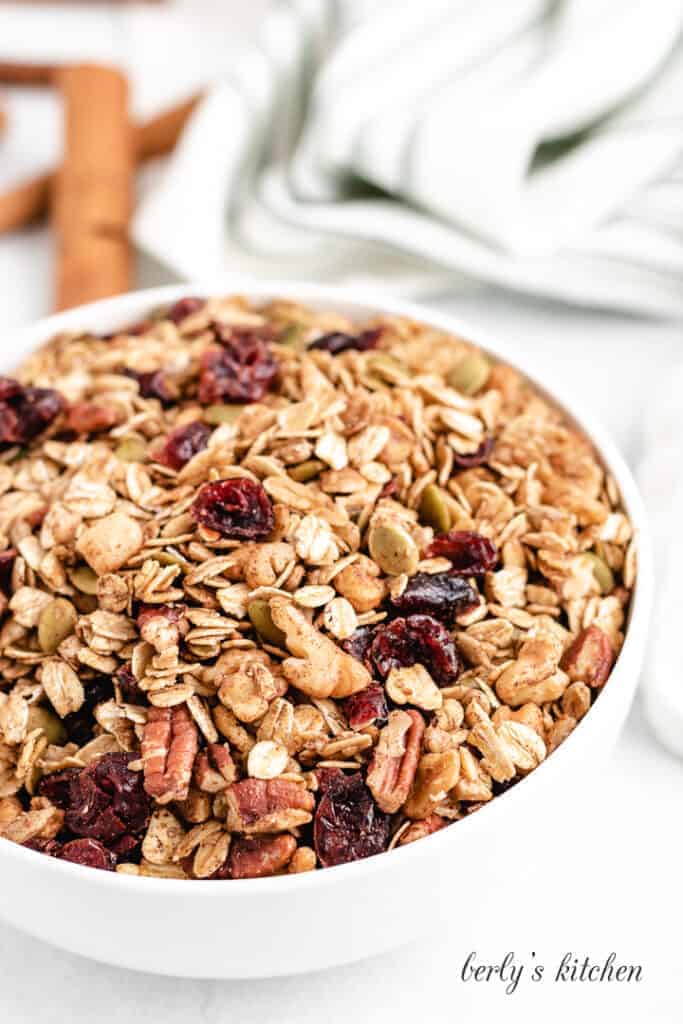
280 591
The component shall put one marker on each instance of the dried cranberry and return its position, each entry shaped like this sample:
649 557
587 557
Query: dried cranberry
184 308
369 707
88 852
9 388
171 612
7 558
442 595
470 553
417 640
348 824
50 847
56 786
243 370
156 384
26 411
129 686
107 801
79 724
183 443
390 488
474 458
360 642
238 508
337 342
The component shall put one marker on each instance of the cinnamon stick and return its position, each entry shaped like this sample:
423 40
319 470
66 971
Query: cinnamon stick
92 196
28 201
26 74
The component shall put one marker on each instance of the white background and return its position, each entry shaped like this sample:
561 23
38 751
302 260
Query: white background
610 879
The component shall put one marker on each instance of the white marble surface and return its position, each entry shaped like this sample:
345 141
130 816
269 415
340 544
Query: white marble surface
614 879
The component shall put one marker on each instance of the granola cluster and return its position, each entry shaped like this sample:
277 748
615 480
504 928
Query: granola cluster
280 591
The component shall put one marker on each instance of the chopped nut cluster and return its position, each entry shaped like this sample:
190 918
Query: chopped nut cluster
280 591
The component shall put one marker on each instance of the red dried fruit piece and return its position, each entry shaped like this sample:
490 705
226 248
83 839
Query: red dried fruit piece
589 658
106 800
442 595
55 786
369 707
348 825
184 308
79 724
183 443
50 847
359 644
7 558
89 417
243 370
129 686
238 508
418 639
390 488
156 384
259 857
477 458
470 553
88 852
172 612
337 341
26 411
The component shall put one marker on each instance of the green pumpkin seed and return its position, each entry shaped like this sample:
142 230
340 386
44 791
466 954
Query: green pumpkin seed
602 573
84 579
57 621
42 718
131 449
294 336
306 470
393 549
215 415
261 620
470 375
434 510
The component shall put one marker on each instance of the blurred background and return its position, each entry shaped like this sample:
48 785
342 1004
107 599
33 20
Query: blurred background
518 162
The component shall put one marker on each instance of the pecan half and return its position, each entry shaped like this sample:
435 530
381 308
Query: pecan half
589 658
394 763
214 768
169 745
273 805
258 858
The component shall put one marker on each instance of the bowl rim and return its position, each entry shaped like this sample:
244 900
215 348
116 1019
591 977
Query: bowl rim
123 309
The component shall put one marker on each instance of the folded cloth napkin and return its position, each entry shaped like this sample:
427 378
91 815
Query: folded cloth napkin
536 144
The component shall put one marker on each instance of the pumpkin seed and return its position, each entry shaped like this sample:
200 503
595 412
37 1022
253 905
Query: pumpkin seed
470 375
217 414
434 510
306 470
294 336
602 573
84 578
57 621
393 549
131 449
261 620
42 718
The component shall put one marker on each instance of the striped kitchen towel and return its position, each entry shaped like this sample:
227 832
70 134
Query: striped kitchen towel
535 144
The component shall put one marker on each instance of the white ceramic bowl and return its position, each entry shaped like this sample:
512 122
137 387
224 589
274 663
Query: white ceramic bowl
275 926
